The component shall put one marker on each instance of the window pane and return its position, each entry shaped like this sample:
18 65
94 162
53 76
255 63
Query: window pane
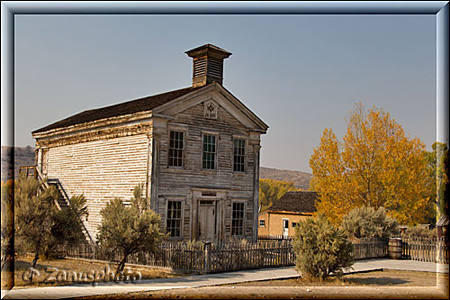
176 148
174 218
239 155
209 152
237 223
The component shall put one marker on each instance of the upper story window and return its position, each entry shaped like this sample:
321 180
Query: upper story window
239 155
176 149
209 152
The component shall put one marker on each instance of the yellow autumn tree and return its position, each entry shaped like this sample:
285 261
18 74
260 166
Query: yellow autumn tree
271 190
375 165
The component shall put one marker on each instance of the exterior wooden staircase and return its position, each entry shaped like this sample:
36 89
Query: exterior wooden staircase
63 201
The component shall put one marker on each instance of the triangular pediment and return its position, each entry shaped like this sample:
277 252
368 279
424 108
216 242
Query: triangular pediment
213 97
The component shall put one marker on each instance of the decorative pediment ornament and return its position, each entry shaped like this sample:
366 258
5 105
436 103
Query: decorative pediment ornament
210 110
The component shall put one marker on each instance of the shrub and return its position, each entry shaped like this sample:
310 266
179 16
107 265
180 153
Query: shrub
368 222
419 231
39 226
34 214
67 229
321 249
130 229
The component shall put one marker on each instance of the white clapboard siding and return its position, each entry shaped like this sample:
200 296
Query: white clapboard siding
101 170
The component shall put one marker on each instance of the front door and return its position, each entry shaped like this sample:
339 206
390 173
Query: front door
207 221
285 228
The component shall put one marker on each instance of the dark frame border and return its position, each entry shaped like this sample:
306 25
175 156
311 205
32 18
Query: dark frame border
9 9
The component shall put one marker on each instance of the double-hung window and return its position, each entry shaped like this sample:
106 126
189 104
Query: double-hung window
209 152
239 155
237 220
173 225
176 149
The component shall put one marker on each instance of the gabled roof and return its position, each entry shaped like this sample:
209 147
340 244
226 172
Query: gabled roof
297 202
129 107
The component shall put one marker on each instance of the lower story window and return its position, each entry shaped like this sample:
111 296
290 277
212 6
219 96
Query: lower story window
174 218
237 226
262 223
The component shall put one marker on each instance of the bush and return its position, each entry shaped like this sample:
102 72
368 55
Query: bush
321 249
368 222
39 226
130 229
419 231
34 214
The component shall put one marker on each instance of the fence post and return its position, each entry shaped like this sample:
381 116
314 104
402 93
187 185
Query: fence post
207 256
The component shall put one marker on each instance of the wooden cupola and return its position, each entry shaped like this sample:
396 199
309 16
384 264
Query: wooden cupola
207 64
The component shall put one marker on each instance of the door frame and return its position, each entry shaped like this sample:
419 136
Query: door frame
218 196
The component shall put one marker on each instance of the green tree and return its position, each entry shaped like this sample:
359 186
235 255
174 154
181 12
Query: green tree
34 213
376 165
368 222
437 161
129 229
321 248
271 190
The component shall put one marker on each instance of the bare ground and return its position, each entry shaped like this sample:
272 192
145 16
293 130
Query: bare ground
51 271
386 284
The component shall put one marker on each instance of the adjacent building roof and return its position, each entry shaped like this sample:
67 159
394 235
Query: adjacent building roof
129 107
297 202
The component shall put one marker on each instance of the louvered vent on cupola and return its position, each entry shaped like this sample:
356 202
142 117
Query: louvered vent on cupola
207 64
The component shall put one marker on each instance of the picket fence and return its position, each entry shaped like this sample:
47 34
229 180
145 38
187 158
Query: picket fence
367 248
428 250
212 258
199 258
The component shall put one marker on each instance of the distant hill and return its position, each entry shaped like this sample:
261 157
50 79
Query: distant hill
23 156
301 179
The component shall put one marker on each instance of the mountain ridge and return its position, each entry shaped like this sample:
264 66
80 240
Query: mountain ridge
24 156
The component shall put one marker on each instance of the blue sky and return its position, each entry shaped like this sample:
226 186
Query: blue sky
298 73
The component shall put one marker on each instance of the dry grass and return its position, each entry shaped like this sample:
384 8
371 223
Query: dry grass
51 271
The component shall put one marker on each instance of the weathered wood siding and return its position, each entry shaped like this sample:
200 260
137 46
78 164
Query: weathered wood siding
176 182
101 170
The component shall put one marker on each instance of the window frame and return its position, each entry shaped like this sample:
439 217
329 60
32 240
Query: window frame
244 156
244 209
180 219
183 150
216 153
263 223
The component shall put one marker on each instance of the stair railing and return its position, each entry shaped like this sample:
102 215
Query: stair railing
40 177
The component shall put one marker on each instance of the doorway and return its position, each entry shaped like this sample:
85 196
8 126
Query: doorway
207 220
285 228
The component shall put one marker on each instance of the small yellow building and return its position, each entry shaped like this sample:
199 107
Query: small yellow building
282 217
